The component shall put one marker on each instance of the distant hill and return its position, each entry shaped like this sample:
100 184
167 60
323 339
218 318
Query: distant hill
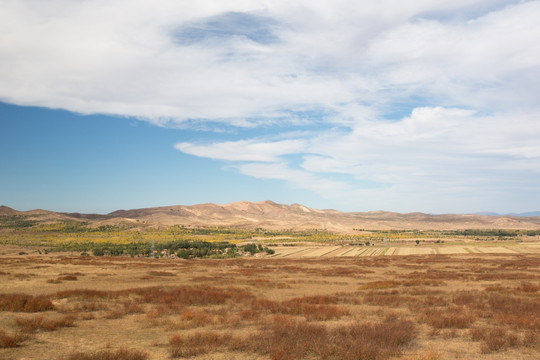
525 214
7 211
270 215
528 214
487 213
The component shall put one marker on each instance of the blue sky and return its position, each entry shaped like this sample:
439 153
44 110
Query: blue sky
404 106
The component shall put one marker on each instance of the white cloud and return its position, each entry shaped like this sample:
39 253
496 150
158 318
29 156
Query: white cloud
326 188
433 155
126 58
421 97
475 63
244 150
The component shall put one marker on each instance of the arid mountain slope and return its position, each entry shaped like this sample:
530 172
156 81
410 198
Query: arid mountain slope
270 215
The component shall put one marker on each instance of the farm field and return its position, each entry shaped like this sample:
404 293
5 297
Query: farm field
326 251
317 303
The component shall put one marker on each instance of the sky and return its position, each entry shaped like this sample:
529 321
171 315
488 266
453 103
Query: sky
415 105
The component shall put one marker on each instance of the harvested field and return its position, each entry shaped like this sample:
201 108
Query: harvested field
317 251
310 302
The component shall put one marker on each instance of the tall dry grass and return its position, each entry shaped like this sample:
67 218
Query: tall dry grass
312 308
41 323
9 341
244 308
288 337
198 343
119 354
296 339
25 303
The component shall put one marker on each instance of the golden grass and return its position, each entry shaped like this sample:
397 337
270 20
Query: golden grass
41 323
24 303
120 354
377 308
9 341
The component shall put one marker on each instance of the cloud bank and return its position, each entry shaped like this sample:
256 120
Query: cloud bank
405 105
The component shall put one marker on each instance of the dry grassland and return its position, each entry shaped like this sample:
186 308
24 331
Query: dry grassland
439 306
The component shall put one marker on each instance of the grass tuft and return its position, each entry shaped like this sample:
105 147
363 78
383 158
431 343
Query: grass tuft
9 341
197 344
39 323
120 354
358 341
495 339
451 317
24 303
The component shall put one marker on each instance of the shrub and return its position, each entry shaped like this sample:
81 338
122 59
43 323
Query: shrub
24 303
37 323
296 339
528 287
197 344
523 313
289 338
312 308
128 307
431 300
452 317
469 298
494 339
531 339
120 354
381 284
9 341
388 298
98 251
477 333
67 277
358 341
86 294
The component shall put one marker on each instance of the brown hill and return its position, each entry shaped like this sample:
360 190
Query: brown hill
7 211
270 215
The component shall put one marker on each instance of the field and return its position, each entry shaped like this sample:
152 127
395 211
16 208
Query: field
469 301
218 242
315 250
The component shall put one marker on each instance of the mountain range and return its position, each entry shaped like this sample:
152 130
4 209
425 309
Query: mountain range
525 214
272 216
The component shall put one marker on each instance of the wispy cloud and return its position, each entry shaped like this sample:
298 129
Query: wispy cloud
244 150
450 154
415 98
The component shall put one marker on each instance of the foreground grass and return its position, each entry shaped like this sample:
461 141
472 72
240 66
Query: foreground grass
411 307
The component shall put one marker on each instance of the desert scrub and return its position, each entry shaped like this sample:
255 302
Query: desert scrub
499 338
290 338
297 339
450 317
24 303
40 323
9 341
120 354
199 343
